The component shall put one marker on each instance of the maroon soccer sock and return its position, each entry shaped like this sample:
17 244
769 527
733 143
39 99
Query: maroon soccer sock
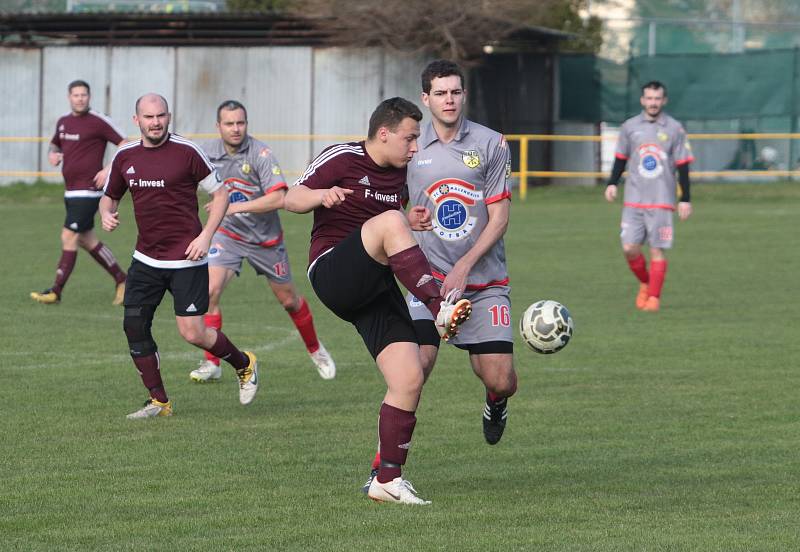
658 271
395 428
150 371
213 321
414 271
105 258
304 323
65 265
228 352
638 266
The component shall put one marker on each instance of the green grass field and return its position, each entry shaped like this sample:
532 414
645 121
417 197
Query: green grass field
670 431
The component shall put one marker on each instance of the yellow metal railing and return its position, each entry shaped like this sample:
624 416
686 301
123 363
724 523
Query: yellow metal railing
523 172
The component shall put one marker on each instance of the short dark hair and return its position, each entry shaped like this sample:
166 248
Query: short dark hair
230 105
438 69
655 85
77 83
390 113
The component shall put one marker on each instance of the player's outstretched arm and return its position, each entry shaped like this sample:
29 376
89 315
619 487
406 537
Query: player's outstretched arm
109 216
301 199
264 204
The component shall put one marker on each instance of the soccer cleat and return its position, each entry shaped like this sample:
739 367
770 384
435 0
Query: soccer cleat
372 475
494 419
248 380
48 297
152 409
324 362
119 294
398 490
641 297
452 314
207 371
652 304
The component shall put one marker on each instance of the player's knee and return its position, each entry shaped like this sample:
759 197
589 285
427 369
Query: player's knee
631 251
502 384
392 222
291 303
194 335
137 322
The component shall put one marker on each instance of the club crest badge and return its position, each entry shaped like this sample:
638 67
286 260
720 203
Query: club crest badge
245 168
651 160
453 199
471 158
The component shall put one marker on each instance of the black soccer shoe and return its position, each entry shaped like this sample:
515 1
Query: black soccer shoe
494 419
372 475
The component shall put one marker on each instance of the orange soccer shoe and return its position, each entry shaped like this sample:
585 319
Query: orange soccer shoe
641 297
652 304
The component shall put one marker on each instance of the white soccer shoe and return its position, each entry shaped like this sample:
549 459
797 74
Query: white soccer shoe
398 490
452 314
324 362
248 380
152 409
207 371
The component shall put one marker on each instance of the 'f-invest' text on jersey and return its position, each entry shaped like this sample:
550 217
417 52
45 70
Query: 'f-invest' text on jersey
457 181
250 173
376 189
653 150
163 182
82 139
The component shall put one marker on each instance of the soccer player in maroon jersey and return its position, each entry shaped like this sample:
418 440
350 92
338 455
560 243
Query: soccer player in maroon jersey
80 143
361 240
162 172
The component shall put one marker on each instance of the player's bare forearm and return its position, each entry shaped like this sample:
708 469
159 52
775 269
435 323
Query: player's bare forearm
264 204
216 211
109 216
301 199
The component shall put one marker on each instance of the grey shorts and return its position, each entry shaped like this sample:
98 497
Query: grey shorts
652 225
490 320
272 262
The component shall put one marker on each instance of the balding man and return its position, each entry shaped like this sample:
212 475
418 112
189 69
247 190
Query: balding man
162 171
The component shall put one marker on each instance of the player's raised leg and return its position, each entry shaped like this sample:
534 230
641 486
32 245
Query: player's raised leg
387 238
399 363
298 310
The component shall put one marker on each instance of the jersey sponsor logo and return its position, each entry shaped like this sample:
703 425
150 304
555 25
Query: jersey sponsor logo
69 137
471 158
245 168
130 170
239 190
453 198
385 198
365 181
423 162
142 183
651 161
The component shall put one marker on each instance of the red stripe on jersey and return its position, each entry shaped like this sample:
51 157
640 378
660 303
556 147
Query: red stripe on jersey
473 287
276 187
237 237
433 187
231 184
684 161
495 198
621 156
650 206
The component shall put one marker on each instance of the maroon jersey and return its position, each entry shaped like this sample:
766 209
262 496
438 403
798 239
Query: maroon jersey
163 182
375 189
82 139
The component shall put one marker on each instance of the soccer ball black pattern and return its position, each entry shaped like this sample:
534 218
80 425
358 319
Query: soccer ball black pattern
546 326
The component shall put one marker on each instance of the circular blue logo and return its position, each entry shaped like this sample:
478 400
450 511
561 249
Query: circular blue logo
649 163
451 214
236 197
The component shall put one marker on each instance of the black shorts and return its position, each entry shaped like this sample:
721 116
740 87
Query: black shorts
146 285
80 213
360 290
426 331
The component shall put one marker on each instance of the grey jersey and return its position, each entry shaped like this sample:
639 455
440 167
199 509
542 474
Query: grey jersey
456 181
653 149
250 173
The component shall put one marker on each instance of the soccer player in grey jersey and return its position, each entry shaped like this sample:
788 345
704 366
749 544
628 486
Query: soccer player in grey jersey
460 174
252 230
654 146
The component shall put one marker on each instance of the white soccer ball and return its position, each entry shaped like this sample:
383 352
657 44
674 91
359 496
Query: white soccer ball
546 326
